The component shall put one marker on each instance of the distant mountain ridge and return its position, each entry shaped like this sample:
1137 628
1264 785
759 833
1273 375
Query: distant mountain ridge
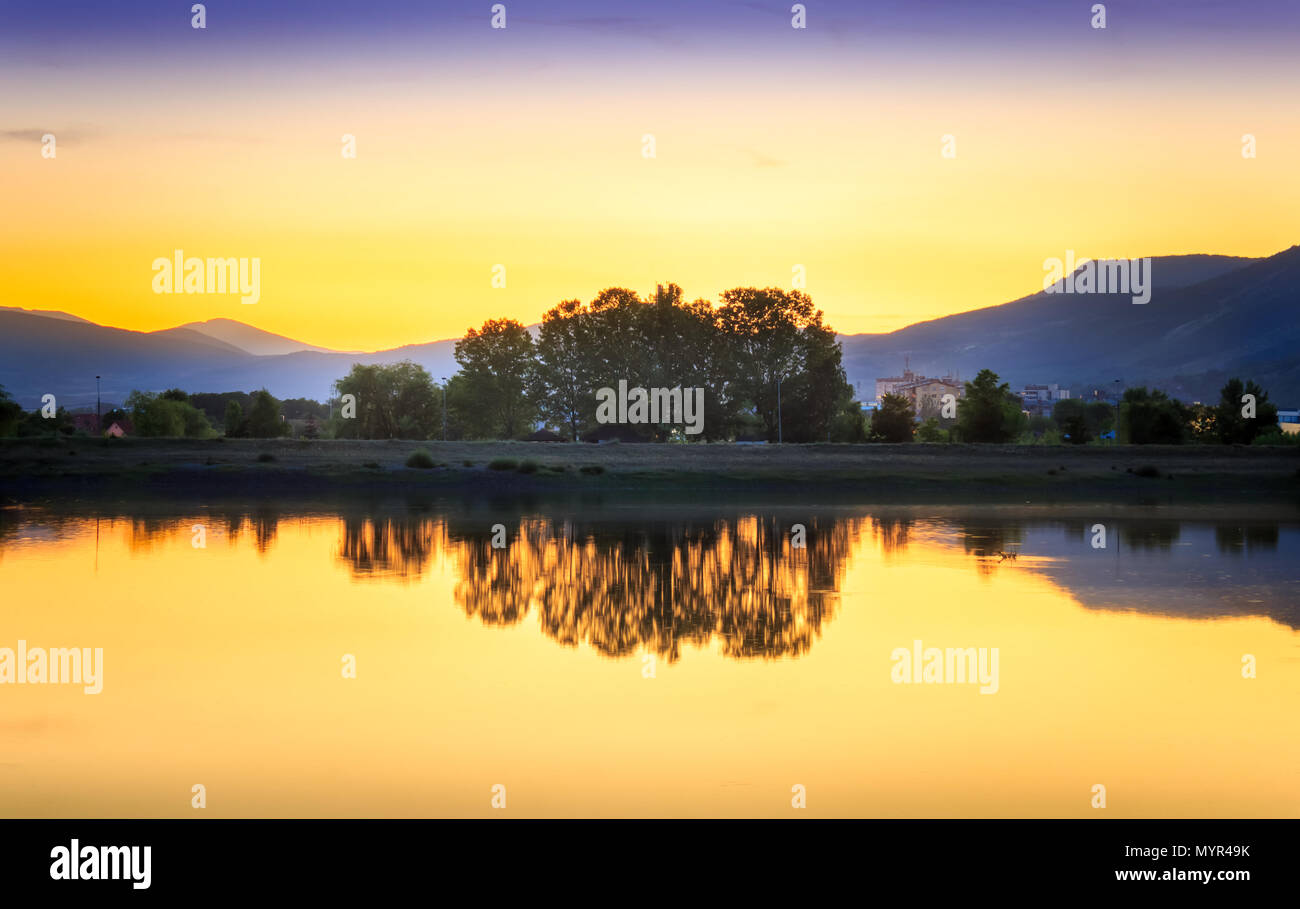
51 353
1209 317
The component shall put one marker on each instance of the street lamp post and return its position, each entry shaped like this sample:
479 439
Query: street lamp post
1117 383
99 420
444 408
779 436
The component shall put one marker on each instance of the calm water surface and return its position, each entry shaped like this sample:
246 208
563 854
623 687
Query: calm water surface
646 661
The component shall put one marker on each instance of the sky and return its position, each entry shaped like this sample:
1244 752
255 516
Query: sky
526 147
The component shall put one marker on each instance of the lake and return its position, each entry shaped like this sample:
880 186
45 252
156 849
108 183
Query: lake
688 659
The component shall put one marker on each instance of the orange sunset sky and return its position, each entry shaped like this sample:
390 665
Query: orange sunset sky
774 148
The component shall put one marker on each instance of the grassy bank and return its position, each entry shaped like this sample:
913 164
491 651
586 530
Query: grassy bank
43 468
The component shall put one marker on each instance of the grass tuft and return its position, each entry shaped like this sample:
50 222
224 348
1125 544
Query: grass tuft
421 460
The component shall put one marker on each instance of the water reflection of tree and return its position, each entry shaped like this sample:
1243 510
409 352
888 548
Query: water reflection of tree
660 585
893 533
1150 535
1237 538
991 543
399 546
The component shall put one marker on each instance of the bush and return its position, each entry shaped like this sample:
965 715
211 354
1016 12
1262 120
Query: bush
421 460
592 469
503 464
1147 470
528 467
373 465
265 457
893 421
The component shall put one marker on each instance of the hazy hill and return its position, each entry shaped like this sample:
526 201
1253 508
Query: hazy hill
46 353
247 338
1208 316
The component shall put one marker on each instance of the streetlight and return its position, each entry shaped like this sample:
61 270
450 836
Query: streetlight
99 421
444 408
1117 382
779 437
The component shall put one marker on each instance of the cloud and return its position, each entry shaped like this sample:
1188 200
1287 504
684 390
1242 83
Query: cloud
36 134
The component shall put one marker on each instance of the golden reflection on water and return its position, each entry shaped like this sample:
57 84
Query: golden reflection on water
650 663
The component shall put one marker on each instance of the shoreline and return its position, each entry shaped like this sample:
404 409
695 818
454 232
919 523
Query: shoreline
36 469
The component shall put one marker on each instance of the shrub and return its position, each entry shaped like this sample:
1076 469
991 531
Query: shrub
373 465
503 464
1147 470
265 457
592 469
420 459
528 467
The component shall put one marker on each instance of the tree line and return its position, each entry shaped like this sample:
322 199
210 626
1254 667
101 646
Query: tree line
769 366
990 412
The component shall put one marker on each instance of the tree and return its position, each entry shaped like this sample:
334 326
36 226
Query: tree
771 337
931 431
234 419
11 414
497 370
1152 417
1101 418
167 415
989 412
1071 418
1232 423
562 386
396 401
894 421
264 418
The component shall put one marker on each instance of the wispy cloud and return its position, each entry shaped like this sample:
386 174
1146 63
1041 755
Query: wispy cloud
35 134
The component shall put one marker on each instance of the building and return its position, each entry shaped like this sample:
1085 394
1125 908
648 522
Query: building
1040 399
925 393
1289 421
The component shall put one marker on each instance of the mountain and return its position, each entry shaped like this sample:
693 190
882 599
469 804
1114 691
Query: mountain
49 313
1209 317
50 353
247 338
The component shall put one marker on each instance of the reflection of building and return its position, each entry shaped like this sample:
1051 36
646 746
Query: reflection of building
1039 399
1289 421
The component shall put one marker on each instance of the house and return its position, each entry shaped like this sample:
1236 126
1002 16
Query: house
116 431
1289 421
